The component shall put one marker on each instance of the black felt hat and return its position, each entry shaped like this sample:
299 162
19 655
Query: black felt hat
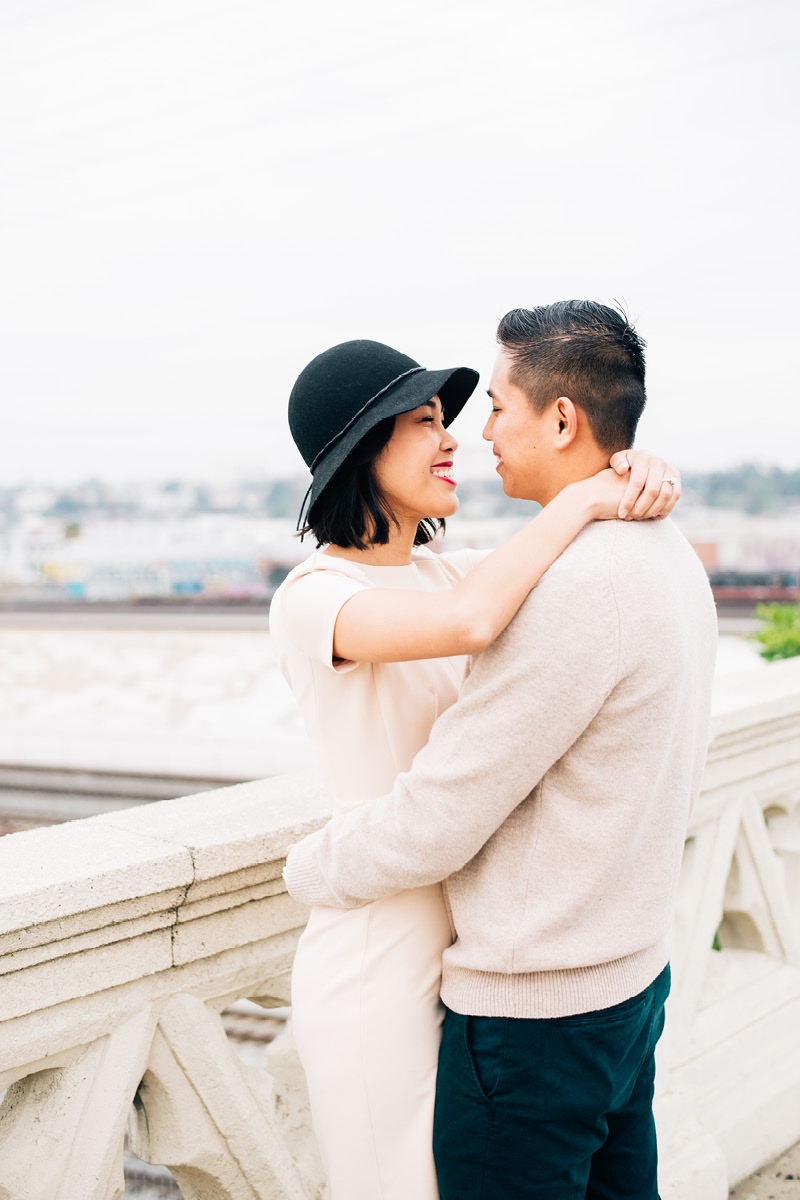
344 392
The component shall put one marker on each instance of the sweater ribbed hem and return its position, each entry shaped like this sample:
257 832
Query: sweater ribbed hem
544 994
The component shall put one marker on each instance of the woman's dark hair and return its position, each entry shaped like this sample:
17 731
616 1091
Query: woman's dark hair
353 510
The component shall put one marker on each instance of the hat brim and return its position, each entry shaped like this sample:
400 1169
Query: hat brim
453 387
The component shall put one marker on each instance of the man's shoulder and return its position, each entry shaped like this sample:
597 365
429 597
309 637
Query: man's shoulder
587 558
657 549
611 561
577 584
655 578
617 545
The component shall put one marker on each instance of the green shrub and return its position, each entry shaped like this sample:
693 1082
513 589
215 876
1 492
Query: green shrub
780 633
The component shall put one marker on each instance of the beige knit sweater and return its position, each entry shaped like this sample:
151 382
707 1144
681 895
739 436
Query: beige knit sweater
553 797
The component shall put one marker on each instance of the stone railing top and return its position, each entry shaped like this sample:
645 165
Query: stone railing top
101 916
755 695
56 873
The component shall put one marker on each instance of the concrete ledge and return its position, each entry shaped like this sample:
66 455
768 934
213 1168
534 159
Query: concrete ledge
84 874
49 874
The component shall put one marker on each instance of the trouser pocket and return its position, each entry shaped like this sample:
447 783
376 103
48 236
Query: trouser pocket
484 1042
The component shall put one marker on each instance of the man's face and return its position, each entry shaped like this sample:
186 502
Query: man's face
519 436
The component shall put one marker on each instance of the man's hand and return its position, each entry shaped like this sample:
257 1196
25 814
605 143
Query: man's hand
654 487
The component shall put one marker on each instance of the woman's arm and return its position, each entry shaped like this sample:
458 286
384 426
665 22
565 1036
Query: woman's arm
378 625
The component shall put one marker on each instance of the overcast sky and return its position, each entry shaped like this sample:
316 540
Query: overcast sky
197 196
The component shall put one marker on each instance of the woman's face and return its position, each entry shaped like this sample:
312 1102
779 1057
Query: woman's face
415 467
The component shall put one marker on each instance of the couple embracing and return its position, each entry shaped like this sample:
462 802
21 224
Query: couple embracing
513 742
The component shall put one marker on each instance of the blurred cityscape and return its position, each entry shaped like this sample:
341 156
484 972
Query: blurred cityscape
172 542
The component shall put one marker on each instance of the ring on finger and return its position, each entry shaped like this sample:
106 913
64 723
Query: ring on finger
670 480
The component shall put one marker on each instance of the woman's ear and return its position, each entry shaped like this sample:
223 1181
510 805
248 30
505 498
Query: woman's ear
566 416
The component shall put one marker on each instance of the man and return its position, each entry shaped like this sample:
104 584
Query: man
553 799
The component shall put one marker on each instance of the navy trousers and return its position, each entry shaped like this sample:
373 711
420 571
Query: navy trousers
556 1109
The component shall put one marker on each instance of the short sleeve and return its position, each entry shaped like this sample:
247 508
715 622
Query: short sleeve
309 607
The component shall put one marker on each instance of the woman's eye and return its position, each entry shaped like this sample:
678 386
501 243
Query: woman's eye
425 420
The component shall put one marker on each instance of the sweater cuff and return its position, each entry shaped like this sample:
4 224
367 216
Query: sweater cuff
304 880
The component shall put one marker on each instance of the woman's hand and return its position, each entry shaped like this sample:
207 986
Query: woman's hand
653 486
636 486
599 496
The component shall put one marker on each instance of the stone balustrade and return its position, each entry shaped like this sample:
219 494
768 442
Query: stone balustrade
123 937
730 1070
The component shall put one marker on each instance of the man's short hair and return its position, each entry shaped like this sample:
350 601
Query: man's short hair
583 350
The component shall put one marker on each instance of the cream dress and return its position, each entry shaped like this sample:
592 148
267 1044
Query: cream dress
365 986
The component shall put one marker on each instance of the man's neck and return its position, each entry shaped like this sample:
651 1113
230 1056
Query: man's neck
547 493
581 466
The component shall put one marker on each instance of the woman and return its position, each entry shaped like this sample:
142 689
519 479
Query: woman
373 635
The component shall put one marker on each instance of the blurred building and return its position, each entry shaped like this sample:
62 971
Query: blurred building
748 558
208 556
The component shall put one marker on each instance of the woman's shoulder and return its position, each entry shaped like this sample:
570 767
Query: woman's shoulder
312 594
319 567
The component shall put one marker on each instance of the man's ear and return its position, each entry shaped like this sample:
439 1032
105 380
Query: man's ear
566 417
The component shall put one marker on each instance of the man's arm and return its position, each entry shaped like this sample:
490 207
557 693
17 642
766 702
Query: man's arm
527 699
